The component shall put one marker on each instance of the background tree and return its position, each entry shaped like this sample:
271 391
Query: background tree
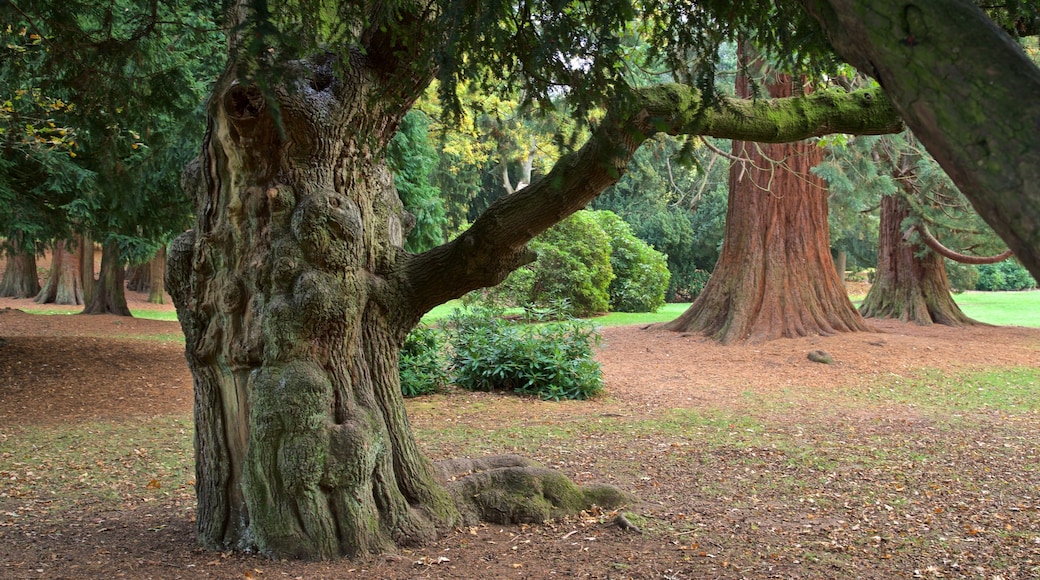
126 81
775 277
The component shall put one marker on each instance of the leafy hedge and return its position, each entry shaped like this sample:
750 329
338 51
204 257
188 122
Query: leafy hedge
1006 275
487 352
640 272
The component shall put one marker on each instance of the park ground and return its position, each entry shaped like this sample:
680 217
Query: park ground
914 455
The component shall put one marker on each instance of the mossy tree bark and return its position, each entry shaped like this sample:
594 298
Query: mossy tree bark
21 279
295 296
775 276
157 278
110 289
63 284
968 92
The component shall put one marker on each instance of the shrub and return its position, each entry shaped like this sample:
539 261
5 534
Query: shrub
423 363
961 276
1006 275
640 272
552 361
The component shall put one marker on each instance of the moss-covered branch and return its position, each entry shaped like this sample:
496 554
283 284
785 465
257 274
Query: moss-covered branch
968 92
494 246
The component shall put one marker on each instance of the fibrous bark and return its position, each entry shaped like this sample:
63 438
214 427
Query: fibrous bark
909 286
110 292
775 276
85 259
968 92
21 279
63 285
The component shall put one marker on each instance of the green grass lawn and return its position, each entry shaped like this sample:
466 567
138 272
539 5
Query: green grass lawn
999 308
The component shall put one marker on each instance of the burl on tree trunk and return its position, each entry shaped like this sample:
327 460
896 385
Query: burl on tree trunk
295 296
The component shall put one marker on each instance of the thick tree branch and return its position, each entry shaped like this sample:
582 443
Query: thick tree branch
495 244
929 240
966 90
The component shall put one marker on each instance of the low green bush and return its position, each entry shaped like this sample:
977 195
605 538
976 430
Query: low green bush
1006 275
423 362
640 272
553 361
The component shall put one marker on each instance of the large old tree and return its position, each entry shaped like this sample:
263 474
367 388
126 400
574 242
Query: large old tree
294 291
967 90
775 276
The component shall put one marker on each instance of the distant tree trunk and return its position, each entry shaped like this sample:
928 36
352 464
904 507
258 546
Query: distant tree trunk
156 277
139 277
906 286
63 285
109 295
86 267
775 276
21 279
839 264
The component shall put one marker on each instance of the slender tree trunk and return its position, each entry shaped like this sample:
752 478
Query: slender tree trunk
839 265
906 286
156 277
110 294
21 279
775 276
86 267
63 285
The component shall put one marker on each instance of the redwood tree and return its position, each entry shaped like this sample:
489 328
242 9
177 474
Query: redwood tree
63 284
21 279
775 276
910 283
110 288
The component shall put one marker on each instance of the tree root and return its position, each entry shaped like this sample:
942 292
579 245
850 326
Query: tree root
509 489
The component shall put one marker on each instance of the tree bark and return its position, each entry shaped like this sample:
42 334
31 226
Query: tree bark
157 278
110 293
295 296
21 279
968 92
85 257
63 285
906 286
775 276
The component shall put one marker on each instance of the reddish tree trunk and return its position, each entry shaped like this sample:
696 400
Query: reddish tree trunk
906 286
156 277
63 285
775 277
109 294
20 277
86 267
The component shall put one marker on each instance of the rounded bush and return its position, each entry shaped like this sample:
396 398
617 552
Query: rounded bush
640 272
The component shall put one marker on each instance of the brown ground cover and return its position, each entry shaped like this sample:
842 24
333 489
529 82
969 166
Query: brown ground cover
750 461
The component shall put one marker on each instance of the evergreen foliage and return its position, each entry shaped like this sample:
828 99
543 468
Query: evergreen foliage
413 160
552 361
1006 275
423 363
640 272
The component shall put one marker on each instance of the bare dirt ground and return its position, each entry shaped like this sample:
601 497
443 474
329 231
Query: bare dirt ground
750 461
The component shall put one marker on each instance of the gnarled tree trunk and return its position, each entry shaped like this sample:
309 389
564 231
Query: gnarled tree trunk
21 279
775 276
63 285
295 296
110 292
908 287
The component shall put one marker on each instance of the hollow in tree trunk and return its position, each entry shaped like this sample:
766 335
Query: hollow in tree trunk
21 279
109 292
909 286
63 285
775 276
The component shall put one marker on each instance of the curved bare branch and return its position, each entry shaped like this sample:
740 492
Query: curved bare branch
929 240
